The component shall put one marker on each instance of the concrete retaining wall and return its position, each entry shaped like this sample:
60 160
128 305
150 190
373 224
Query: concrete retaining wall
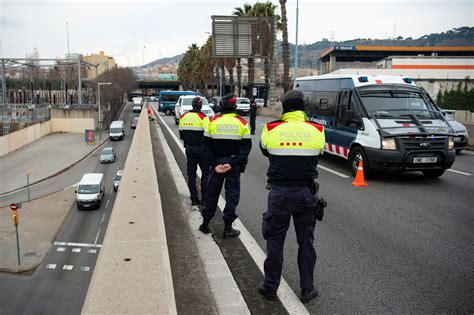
72 125
133 273
20 138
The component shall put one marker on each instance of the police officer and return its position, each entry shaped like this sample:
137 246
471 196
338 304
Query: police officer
191 131
253 115
293 146
228 144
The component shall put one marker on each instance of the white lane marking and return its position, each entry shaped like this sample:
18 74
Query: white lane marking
68 267
76 250
103 217
73 185
51 266
77 244
92 251
111 190
60 249
85 268
332 171
106 206
459 172
287 296
97 236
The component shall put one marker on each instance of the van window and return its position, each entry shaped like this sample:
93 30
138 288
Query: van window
169 97
325 103
332 85
306 85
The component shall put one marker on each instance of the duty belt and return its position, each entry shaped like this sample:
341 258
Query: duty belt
293 183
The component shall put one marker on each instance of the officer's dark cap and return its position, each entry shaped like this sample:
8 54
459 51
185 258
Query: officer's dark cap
197 101
293 97
229 100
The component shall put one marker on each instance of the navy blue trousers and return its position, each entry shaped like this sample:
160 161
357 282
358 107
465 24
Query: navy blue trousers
284 203
195 157
232 192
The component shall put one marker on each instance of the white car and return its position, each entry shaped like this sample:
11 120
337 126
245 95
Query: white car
184 105
136 108
260 102
243 106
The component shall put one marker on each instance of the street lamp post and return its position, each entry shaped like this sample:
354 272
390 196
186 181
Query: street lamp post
98 101
296 41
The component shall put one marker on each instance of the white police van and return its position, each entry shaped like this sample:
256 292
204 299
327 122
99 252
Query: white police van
386 121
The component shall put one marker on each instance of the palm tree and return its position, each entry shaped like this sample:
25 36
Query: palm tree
246 10
286 47
267 9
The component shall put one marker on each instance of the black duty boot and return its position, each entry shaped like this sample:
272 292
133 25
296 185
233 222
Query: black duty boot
308 294
229 231
267 294
204 227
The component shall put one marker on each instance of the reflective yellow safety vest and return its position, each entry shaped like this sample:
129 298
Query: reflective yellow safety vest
194 121
293 135
227 127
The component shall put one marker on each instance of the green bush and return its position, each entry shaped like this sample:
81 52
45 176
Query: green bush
460 98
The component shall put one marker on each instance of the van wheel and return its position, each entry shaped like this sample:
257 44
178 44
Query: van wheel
433 173
167 112
358 154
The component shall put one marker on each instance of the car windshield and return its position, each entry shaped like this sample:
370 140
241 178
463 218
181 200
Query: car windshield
107 151
189 101
390 104
118 177
88 189
115 130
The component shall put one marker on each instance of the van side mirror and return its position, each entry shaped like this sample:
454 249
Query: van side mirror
349 117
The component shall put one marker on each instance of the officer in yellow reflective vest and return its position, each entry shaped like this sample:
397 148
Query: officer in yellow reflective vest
191 131
227 143
293 145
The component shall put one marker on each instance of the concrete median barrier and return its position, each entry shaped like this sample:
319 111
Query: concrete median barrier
133 273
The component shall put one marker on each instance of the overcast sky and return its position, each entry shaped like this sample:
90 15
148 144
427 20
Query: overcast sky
167 27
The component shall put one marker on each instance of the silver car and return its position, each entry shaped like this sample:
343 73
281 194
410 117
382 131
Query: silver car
117 179
107 155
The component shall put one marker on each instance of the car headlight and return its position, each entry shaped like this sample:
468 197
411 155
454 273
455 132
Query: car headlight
389 144
450 143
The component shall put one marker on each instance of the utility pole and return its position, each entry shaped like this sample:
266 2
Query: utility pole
67 36
296 41
79 87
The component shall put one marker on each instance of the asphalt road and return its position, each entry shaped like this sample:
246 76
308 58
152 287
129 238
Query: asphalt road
59 285
403 244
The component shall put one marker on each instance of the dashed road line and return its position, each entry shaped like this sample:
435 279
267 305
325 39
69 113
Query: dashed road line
106 205
85 268
103 217
76 250
332 171
97 236
60 249
51 266
92 251
68 267
459 172
77 244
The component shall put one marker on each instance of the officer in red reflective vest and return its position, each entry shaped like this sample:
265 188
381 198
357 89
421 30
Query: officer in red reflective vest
293 146
191 131
227 142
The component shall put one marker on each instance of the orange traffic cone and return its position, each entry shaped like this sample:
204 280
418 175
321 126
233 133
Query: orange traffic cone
359 180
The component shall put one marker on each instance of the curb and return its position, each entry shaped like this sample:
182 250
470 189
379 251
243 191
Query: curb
36 265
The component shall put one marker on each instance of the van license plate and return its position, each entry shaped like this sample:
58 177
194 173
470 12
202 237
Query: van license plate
425 159
457 139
